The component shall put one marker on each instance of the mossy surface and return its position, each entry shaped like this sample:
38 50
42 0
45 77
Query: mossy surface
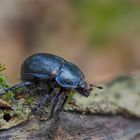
12 112
120 96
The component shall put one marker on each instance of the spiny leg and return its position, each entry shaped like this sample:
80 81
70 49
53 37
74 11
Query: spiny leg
45 99
64 102
23 84
37 109
57 97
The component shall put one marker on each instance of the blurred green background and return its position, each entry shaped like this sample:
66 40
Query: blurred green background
101 36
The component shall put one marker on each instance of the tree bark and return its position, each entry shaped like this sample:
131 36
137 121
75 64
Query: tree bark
111 115
71 126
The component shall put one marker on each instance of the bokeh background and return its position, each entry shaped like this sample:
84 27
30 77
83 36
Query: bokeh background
101 36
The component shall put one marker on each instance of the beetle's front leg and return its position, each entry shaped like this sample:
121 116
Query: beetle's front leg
23 84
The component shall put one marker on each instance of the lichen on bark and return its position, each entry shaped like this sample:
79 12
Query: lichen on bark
119 97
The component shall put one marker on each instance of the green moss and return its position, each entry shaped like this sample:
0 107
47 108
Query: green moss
8 96
71 95
29 101
4 84
2 67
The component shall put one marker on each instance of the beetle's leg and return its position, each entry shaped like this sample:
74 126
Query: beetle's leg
24 84
45 99
37 109
57 97
64 102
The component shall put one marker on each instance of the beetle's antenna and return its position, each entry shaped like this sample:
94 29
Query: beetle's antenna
99 87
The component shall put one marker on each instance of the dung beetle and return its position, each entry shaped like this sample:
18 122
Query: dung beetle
55 71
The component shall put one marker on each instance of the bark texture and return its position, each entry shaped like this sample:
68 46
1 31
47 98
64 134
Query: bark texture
70 126
112 114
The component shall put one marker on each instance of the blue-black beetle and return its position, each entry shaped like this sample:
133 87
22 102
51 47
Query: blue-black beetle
55 71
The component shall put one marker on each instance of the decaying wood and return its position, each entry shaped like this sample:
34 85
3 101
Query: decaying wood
71 126
4 104
118 109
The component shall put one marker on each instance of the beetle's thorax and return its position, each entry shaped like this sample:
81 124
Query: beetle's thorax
69 75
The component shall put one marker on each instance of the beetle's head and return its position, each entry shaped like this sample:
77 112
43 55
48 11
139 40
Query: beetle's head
85 88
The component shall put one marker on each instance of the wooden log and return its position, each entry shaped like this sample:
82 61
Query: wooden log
70 126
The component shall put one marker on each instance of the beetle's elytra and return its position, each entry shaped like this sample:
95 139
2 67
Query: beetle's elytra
55 71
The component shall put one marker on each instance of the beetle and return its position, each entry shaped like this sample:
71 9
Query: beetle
56 72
